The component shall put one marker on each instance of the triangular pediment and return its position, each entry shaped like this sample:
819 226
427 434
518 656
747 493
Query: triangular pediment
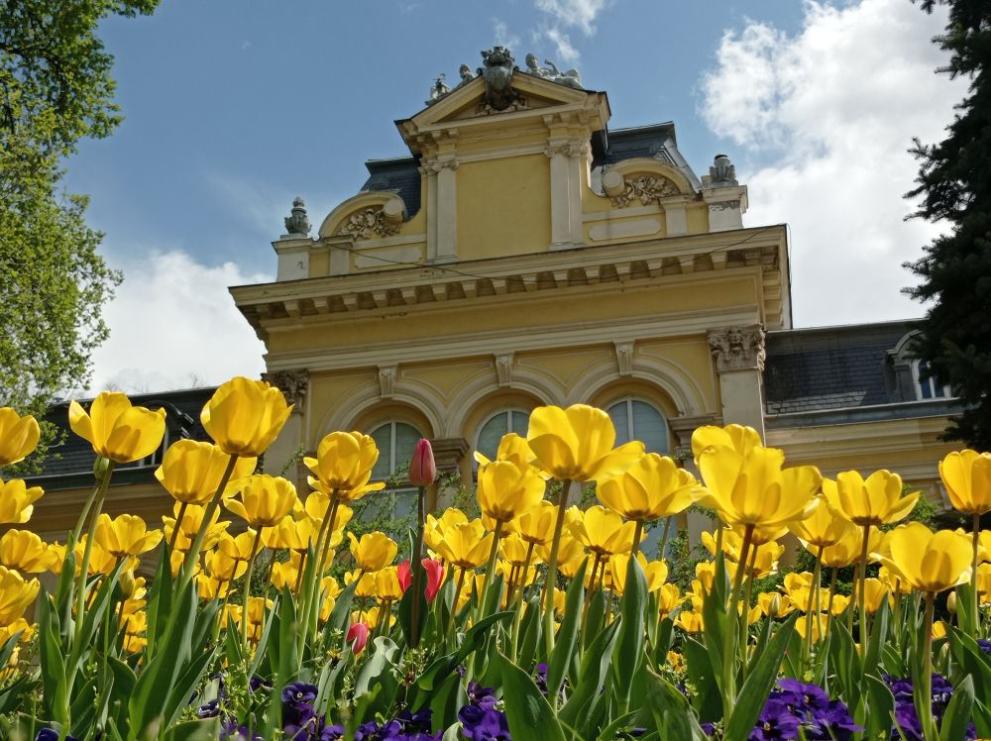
537 96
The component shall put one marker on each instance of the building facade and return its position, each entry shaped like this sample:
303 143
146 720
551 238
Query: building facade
523 254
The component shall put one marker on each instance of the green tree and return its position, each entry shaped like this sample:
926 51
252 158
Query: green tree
954 183
55 89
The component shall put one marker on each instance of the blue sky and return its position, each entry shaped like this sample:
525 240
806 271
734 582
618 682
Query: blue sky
232 108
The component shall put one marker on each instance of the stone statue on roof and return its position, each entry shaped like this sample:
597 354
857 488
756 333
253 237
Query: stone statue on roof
550 72
497 72
438 90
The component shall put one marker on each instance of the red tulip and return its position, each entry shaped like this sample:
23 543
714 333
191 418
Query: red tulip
423 468
435 576
357 636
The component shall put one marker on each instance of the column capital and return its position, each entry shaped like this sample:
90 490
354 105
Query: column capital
294 385
737 348
448 452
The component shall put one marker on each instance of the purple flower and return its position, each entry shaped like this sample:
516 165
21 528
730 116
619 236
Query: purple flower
984 644
795 709
47 734
480 718
233 732
908 725
208 710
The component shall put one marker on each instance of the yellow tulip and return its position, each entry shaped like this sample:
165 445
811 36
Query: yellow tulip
984 582
17 501
571 554
689 621
536 525
874 592
223 567
735 437
668 599
245 416
819 622
192 518
930 562
577 443
25 551
263 500
465 545
292 534
754 490
655 572
331 590
365 586
102 561
653 487
435 527
505 491
191 471
514 549
16 594
893 582
343 465
823 528
237 547
116 429
846 551
762 561
874 501
212 588
512 448
967 477
126 535
603 532
18 436
387 586
775 605
374 551
705 574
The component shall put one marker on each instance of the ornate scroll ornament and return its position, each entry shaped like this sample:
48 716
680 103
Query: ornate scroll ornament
293 384
725 205
368 223
722 171
296 223
738 348
497 72
568 149
647 189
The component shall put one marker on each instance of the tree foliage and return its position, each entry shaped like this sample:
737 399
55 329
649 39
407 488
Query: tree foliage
954 183
55 89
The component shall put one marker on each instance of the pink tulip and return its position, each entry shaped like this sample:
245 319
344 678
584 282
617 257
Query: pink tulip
357 636
423 468
435 576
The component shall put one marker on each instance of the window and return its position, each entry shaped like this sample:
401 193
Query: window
927 386
638 420
396 442
501 423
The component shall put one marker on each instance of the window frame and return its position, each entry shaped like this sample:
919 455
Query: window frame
631 432
931 381
509 412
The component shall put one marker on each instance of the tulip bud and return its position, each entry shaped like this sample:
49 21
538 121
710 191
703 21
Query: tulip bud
127 583
423 468
951 602
435 577
775 607
357 636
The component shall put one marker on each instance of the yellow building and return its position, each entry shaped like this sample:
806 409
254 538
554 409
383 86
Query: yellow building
525 254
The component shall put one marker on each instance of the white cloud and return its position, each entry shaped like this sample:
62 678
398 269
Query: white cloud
581 13
502 34
566 52
174 325
827 115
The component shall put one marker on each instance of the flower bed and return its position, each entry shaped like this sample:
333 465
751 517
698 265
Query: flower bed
541 618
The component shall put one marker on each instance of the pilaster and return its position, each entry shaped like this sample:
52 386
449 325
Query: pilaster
568 157
738 354
295 386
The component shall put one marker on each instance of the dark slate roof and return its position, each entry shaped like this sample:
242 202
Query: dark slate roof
70 464
657 141
840 374
401 175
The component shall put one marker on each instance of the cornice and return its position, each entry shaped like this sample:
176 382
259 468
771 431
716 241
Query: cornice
267 304
495 342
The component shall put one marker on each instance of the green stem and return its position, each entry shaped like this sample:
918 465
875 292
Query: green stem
94 514
829 606
864 627
926 693
813 605
454 606
247 589
188 564
551 583
489 570
637 534
97 492
976 536
664 537
745 613
180 516
526 569
418 599
729 651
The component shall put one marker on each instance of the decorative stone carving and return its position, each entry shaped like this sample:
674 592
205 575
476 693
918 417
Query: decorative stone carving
297 224
722 172
387 380
436 164
504 368
571 78
647 189
733 205
438 90
368 223
568 149
737 348
624 358
466 75
293 384
497 72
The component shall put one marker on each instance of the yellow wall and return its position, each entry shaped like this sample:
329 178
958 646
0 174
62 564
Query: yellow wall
503 207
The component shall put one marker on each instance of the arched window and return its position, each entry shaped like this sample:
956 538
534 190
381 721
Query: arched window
638 420
396 442
500 423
